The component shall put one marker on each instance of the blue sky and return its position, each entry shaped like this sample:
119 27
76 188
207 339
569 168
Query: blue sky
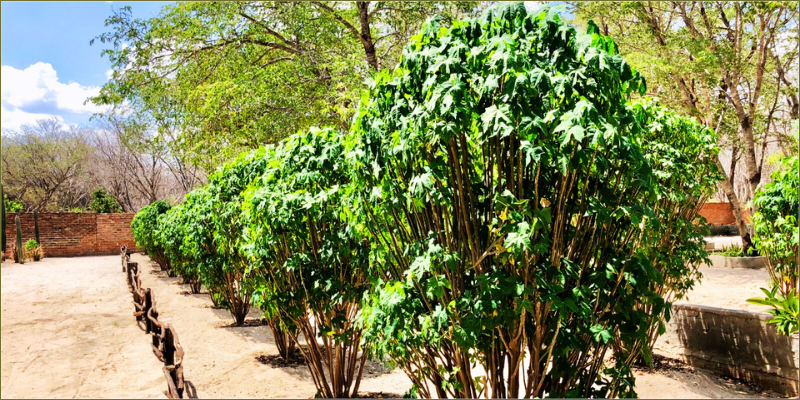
48 66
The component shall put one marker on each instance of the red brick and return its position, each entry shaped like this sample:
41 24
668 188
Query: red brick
722 214
75 234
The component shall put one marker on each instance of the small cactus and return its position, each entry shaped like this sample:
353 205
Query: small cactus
36 227
19 242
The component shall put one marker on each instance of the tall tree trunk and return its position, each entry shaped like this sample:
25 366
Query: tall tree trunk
753 171
366 36
733 199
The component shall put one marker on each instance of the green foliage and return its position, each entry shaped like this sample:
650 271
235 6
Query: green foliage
31 244
735 250
145 227
202 235
311 273
501 174
33 250
777 236
783 308
170 234
103 202
500 221
682 154
12 206
241 74
227 272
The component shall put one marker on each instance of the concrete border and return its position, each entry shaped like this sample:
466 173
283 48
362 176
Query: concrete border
718 261
736 343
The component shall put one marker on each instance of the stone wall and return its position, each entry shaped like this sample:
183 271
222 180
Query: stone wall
75 234
735 343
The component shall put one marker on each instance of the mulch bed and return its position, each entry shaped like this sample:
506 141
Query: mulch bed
377 395
661 363
248 323
276 361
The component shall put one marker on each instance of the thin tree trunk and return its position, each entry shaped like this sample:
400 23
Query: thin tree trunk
753 172
733 199
366 36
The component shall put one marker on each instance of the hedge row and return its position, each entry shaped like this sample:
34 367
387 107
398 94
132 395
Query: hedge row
500 220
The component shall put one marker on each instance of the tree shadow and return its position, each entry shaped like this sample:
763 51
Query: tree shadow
737 344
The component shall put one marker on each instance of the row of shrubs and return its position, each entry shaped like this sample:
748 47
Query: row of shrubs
501 220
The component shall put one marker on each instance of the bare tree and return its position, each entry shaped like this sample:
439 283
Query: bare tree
138 167
44 165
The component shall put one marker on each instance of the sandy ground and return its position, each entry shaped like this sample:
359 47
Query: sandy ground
68 332
729 288
690 383
85 343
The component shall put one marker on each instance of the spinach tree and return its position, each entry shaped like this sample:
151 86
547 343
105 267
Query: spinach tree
225 269
171 235
501 176
144 226
312 261
198 243
777 236
682 154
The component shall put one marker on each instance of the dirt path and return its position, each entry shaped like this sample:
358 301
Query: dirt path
85 343
68 332
221 361
729 288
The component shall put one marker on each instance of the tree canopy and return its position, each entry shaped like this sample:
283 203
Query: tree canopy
730 65
236 75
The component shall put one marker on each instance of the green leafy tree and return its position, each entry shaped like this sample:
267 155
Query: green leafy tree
313 263
171 236
230 264
198 245
683 155
232 76
506 187
144 226
724 63
228 186
13 205
777 236
103 202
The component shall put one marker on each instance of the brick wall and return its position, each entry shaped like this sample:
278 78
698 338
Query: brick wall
74 234
721 214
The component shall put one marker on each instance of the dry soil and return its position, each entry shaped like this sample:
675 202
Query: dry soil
68 331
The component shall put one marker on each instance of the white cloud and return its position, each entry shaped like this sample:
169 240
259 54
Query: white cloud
13 119
35 92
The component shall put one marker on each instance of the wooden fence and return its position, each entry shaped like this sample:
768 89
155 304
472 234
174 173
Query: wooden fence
166 346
